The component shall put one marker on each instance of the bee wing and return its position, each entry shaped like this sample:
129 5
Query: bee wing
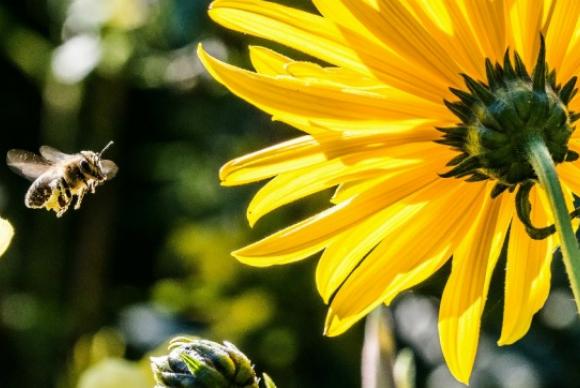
52 154
27 164
109 168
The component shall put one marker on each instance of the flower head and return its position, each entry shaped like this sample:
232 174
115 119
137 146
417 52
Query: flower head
422 115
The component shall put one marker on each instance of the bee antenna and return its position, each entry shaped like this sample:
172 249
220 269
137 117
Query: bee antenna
105 148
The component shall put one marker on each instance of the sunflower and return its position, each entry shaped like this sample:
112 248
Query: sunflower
445 128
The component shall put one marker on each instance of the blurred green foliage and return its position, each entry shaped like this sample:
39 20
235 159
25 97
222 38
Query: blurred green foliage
147 256
92 295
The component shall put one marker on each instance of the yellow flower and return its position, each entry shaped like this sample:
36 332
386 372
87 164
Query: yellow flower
371 104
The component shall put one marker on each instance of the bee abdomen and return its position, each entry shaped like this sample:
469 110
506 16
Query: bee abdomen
38 194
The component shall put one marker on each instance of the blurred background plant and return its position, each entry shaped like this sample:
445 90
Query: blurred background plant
86 299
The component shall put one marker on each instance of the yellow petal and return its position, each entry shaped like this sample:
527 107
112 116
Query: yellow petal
310 150
434 15
569 173
398 262
300 30
341 15
527 281
570 67
293 99
269 62
562 26
574 145
335 326
319 37
347 251
335 76
488 21
465 293
6 234
294 185
385 63
467 40
525 19
268 162
344 191
393 24
448 22
570 205
309 236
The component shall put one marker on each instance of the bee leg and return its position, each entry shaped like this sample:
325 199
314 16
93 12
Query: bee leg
64 203
64 197
80 196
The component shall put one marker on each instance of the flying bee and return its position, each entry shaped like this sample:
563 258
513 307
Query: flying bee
59 178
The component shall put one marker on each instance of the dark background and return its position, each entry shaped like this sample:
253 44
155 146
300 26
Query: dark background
147 257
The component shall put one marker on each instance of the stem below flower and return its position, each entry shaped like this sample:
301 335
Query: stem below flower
378 351
541 160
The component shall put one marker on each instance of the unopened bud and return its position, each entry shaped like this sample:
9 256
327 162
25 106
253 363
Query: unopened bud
203 364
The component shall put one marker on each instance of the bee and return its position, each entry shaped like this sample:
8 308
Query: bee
59 178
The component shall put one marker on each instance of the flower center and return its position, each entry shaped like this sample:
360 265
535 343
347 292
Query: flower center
500 117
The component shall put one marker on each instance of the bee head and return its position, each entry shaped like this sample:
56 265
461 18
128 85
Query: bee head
89 165
92 165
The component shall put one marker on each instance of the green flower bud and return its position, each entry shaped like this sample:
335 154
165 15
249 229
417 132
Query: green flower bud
203 364
500 116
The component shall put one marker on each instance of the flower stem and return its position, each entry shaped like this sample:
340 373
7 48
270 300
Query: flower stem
541 160
378 351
